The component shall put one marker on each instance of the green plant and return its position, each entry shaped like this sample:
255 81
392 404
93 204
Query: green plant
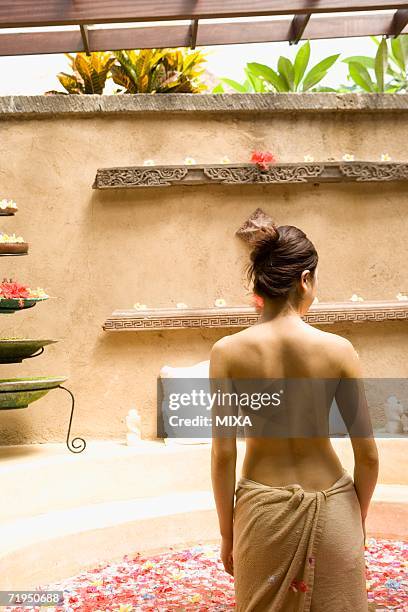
387 72
159 71
288 76
89 73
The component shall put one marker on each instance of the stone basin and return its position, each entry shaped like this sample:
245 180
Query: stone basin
20 392
14 350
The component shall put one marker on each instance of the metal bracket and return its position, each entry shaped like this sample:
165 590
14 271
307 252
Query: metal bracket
77 445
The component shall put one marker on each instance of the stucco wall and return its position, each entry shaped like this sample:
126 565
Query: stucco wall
98 251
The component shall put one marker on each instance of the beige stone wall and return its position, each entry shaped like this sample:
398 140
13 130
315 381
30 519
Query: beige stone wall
98 251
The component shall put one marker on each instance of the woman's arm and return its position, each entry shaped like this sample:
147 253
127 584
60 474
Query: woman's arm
223 458
352 403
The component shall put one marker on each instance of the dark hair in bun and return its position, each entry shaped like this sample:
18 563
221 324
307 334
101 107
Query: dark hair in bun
278 258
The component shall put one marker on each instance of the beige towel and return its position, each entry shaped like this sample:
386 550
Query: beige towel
298 551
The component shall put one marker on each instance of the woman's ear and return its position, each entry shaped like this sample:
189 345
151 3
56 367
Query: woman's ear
305 279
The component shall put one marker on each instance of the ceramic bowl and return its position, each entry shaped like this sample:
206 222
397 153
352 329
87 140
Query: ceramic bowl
20 392
14 350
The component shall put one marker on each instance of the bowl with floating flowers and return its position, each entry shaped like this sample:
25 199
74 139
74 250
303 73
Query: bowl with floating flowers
11 244
7 207
15 296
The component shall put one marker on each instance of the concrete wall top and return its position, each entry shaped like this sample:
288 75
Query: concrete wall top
94 105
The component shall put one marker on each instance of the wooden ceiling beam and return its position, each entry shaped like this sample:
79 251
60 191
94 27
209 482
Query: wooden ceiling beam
399 22
297 28
32 43
27 13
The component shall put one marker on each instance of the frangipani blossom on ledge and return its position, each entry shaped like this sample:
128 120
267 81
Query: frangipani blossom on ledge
10 239
308 158
402 297
356 298
139 306
348 157
385 157
181 305
190 161
225 160
7 204
220 303
149 162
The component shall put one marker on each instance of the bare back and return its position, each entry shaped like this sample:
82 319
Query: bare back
288 348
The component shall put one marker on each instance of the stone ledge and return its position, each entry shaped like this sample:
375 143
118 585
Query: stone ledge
28 107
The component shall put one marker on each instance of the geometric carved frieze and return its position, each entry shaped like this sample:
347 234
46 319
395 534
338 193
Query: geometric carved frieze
244 316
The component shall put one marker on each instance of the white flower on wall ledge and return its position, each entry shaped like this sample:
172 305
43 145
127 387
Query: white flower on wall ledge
356 298
220 303
308 158
189 161
385 157
181 305
148 162
348 157
401 297
139 306
225 160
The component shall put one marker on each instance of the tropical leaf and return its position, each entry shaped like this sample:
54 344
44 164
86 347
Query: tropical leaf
218 89
399 51
361 77
319 71
121 77
287 72
301 62
368 62
269 75
381 63
239 87
70 83
159 70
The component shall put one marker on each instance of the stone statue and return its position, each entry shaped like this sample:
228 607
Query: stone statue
133 422
394 412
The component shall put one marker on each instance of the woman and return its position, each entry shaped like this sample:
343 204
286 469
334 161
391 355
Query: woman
294 539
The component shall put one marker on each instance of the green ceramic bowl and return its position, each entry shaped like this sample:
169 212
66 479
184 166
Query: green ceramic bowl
20 392
14 350
8 306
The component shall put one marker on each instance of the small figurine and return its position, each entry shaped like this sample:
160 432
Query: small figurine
133 422
404 423
393 413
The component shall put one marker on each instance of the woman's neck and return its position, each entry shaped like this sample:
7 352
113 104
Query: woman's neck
279 308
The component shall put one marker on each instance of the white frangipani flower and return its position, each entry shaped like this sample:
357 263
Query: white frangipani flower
308 158
148 162
139 306
348 157
225 160
356 298
385 157
190 161
181 305
220 303
402 297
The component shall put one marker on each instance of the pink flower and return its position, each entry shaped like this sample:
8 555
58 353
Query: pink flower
262 159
